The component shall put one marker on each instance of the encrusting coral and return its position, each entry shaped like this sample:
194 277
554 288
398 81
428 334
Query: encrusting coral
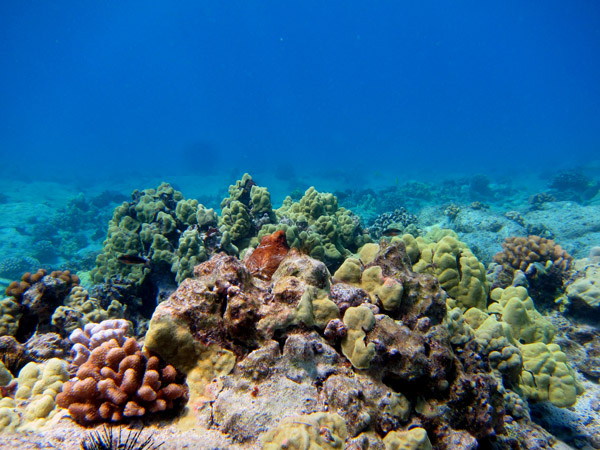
115 380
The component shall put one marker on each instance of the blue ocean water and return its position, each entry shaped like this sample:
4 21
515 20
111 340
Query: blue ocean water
117 96
373 88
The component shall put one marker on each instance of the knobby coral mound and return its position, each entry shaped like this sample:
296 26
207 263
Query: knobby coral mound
543 262
34 299
520 252
115 380
161 226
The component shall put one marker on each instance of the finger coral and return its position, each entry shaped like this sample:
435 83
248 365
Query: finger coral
115 380
520 252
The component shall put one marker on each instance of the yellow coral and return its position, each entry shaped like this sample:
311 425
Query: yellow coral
458 271
413 439
358 320
517 310
547 376
317 431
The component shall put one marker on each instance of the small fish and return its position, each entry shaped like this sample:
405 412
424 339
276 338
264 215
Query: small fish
133 260
391 232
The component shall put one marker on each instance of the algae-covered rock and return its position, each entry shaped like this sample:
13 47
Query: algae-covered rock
313 431
413 439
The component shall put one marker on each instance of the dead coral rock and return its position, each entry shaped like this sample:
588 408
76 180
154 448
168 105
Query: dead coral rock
303 267
13 354
422 296
345 296
265 259
120 382
244 408
47 346
364 404
412 360
223 268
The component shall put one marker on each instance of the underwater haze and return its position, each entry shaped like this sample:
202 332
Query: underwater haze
351 89
310 224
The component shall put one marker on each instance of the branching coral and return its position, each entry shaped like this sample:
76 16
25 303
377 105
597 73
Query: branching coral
115 379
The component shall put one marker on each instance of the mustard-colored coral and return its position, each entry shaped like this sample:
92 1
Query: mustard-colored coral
458 271
172 340
517 310
38 386
547 376
413 439
317 431
385 290
358 320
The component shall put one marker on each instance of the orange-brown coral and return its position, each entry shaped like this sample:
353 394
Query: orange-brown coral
16 289
121 382
265 259
520 252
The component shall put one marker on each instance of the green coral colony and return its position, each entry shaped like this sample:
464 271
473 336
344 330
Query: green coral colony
407 343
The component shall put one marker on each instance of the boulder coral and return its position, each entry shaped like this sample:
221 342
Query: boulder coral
115 380
458 271
517 342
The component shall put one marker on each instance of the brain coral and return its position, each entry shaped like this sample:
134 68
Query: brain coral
115 380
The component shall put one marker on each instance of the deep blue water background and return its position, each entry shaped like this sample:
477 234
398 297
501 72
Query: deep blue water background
380 88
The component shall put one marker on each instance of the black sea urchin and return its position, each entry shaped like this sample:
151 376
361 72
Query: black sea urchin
106 440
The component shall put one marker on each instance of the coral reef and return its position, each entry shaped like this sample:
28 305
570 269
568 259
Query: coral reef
381 363
114 379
